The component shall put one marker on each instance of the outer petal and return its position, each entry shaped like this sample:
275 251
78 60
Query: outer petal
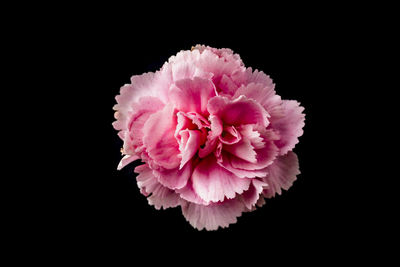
192 95
215 215
159 139
126 160
281 174
213 183
239 111
290 126
148 84
251 196
160 196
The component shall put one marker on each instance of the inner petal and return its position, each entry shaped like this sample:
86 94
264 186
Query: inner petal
230 135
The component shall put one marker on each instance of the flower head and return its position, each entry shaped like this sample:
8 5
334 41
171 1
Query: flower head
214 136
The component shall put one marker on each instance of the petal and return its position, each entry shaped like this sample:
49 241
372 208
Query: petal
264 156
214 215
264 95
174 178
211 143
126 160
281 174
188 193
239 111
230 136
148 84
251 196
243 150
160 196
192 95
290 126
213 183
191 145
159 139
225 162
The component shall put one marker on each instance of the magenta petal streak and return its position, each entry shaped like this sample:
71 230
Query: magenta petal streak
215 138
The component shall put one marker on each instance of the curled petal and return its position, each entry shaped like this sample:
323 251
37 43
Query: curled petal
159 139
239 111
190 147
174 178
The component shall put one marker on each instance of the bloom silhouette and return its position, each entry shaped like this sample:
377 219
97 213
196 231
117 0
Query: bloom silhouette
214 136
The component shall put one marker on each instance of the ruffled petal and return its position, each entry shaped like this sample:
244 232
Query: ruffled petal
212 216
290 126
239 111
265 95
281 174
192 95
213 183
159 139
158 195
251 196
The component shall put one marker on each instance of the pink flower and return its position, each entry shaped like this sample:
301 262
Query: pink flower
214 136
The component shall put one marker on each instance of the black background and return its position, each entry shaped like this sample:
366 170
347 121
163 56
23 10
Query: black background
91 54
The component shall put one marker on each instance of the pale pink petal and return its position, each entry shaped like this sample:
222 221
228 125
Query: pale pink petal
126 160
188 193
281 174
192 95
190 147
141 111
242 150
213 183
248 132
214 215
159 139
174 178
239 111
290 126
158 195
251 196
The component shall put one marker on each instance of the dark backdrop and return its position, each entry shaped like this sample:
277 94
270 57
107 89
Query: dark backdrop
304 55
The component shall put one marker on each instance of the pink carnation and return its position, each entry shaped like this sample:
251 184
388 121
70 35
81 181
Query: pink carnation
214 136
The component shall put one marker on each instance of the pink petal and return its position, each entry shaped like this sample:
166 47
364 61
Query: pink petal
239 111
230 136
214 215
290 126
264 156
191 146
192 95
213 183
174 178
242 150
126 160
159 139
188 193
281 174
251 196
160 196
211 143
264 95
225 162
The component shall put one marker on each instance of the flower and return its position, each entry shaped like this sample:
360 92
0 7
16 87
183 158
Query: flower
214 136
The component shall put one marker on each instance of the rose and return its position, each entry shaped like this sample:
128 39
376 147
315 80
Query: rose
215 137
